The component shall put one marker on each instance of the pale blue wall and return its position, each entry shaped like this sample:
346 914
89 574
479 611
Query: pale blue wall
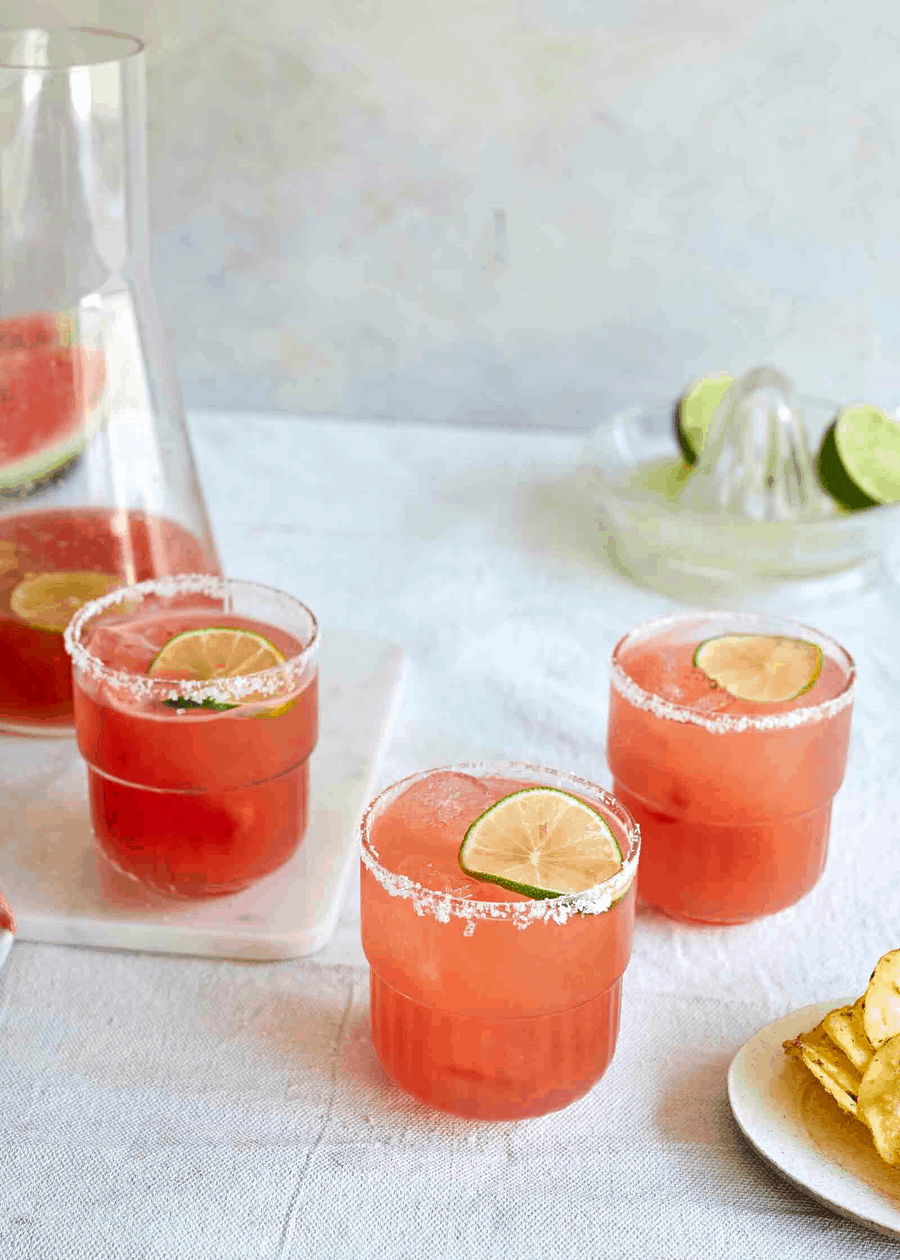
519 210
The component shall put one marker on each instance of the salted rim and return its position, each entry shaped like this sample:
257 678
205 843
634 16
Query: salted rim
726 724
447 906
266 682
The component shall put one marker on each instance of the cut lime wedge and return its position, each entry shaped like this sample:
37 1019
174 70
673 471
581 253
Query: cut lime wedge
761 668
213 652
540 842
859 459
694 410
48 601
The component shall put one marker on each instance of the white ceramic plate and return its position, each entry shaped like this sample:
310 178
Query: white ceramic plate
785 1114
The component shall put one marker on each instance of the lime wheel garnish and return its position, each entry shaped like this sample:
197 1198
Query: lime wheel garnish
541 842
212 652
762 668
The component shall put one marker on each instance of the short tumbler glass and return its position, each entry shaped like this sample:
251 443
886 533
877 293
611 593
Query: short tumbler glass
198 786
733 798
485 1003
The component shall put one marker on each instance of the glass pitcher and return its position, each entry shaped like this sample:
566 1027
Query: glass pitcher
97 480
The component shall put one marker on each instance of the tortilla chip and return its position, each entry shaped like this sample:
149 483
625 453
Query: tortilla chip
846 1029
879 1100
831 1066
881 1016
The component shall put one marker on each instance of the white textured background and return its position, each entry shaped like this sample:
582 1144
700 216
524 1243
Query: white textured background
518 211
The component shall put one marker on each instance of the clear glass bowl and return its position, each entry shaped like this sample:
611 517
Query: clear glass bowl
629 473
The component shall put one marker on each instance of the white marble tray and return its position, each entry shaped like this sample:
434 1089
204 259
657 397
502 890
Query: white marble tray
61 891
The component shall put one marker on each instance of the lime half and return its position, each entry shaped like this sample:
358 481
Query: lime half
541 842
760 667
859 460
212 652
48 601
695 409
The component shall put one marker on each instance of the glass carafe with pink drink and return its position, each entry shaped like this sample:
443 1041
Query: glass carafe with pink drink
97 480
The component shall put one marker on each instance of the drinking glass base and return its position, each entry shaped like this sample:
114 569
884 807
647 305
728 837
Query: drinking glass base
710 919
493 1068
184 891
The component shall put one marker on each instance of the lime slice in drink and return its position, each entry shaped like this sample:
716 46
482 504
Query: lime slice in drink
760 667
213 652
541 842
859 460
48 601
694 410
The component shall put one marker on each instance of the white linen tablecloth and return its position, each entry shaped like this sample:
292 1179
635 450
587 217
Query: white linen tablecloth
164 1108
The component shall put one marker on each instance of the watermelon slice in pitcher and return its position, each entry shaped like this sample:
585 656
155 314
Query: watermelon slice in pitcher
50 393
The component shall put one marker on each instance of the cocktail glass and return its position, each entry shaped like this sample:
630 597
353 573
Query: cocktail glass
733 798
484 1002
197 788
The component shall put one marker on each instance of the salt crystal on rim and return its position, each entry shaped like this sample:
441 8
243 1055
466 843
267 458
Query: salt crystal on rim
445 906
268 682
723 724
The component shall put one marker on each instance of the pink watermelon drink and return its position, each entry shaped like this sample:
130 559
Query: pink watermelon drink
486 1002
51 562
733 794
196 712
